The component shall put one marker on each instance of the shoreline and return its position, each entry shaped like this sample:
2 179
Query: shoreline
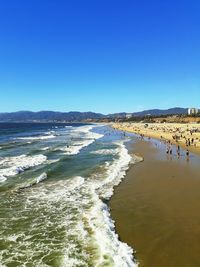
166 132
155 207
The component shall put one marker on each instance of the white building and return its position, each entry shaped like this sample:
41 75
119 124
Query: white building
193 111
129 115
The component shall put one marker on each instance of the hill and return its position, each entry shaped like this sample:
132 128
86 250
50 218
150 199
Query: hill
159 112
49 116
46 116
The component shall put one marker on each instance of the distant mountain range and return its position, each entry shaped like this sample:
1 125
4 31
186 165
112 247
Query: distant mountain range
28 116
158 112
152 112
49 116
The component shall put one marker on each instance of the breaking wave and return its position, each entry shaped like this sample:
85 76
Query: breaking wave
33 181
89 138
70 224
40 137
11 166
64 221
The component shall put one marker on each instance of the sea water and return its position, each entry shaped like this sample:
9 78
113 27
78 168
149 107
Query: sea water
55 180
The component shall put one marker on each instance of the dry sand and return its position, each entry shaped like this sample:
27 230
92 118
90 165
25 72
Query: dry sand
167 131
157 207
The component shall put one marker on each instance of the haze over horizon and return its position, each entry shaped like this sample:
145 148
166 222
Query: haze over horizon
87 111
103 57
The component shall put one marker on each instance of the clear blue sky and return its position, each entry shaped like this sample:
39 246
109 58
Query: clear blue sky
99 55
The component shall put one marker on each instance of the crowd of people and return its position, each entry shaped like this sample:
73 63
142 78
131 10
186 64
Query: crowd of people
181 135
169 149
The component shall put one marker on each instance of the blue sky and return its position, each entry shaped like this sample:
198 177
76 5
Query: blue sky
99 55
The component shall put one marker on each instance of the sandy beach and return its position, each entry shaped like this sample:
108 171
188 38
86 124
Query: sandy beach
185 135
156 207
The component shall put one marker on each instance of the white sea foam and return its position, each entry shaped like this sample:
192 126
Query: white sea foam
11 166
74 210
120 254
107 248
105 152
76 147
50 132
136 159
87 139
33 181
85 128
110 251
41 178
40 137
45 148
115 172
68 217
2 178
50 161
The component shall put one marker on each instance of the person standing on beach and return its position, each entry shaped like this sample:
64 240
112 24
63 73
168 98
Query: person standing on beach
187 154
178 151
188 141
170 150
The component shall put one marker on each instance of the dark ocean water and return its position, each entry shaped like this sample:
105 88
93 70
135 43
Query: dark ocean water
54 183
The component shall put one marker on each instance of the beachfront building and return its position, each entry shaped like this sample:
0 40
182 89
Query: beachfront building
193 111
129 115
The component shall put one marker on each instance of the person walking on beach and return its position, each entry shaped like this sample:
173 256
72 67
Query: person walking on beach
192 140
187 154
170 150
178 151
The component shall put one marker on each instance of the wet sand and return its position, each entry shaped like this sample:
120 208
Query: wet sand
157 208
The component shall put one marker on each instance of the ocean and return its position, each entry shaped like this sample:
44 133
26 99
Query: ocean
55 183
